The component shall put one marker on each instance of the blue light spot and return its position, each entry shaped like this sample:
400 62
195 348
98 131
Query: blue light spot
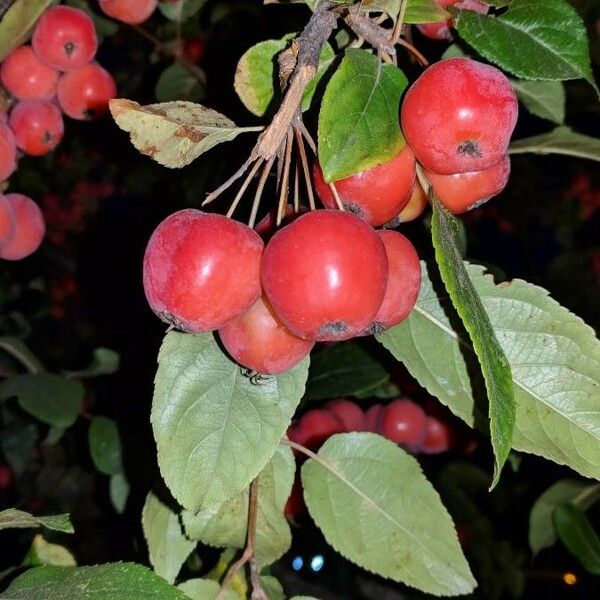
297 563
317 562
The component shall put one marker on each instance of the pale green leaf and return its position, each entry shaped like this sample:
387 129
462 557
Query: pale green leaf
105 445
113 581
168 548
215 429
42 552
118 489
375 506
104 362
180 10
226 525
554 357
12 518
358 121
562 140
205 589
541 528
273 588
174 133
545 99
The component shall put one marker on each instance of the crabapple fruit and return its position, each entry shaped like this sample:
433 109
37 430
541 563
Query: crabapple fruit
314 427
258 340
295 506
266 226
376 195
8 151
325 275
132 12
194 49
65 38
404 281
438 437
463 191
6 477
373 418
440 30
349 413
415 207
7 220
403 422
459 115
30 228
38 126
26 77
84 93
201 270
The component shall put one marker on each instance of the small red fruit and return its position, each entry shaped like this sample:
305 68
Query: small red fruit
373 418
295 507
194 49
65 38
132 12
314 428
258 340
201 270
6 477
26 77
349 413
438 438
415 207
404 282
325 275
8 151
459 115
376 195
464 191
440 30
38 126
84 93
7 221
29 228
403 422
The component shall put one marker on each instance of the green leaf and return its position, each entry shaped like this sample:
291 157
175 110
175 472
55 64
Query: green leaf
177 83
180 10
50 398
42 552
174 133
358 121
344 370
105 445
18 22
116 581
541 528
393 522
554 357
545 99
562 140
168 548
12 518
19 351
255 76
104 362
205 589
493 361
118 489
534 39
226 525
273 588
215 430
578 535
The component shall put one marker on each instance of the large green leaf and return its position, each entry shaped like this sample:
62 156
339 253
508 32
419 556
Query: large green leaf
168 548
578 535
376 507
358 122
541 528
545 99
18 21
226 525
116 581
50 398
534 39
177 83
105 445
216 429
562 140
554 356
494 364
11 518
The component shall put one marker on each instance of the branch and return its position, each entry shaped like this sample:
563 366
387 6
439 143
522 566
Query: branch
375 35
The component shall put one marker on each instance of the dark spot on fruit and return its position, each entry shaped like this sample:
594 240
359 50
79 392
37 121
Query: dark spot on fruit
47 138
69 48
333 329
469 148
355 209
375 327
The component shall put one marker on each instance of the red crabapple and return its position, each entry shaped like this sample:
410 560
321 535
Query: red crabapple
376 195
201 270
459 115
8 151
258 340
29 228
132 12
438 438
7 221
38 126
464 191
65 38
440 30
84 93
26 77
404 282
415 207
349 413
403 422
295 507
373 418
266 226
314 427
6 477
325 275
194 49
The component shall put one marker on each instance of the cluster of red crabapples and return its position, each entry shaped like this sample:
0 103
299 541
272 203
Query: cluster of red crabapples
457 119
